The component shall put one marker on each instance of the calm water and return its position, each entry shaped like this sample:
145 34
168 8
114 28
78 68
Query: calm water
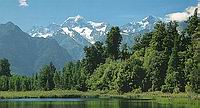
85 103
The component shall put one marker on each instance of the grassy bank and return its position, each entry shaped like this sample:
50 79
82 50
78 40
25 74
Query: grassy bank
181 98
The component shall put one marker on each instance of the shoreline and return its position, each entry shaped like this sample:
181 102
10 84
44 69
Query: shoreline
98 94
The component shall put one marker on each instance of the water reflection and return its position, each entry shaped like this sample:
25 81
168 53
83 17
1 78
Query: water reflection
84 103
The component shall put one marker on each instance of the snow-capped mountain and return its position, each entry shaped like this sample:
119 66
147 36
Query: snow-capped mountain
76 32
44 32
146 25
87 29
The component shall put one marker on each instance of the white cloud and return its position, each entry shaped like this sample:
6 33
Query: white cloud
183 16
23 3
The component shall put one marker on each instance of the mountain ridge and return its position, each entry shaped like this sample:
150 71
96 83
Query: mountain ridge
28 54
80 32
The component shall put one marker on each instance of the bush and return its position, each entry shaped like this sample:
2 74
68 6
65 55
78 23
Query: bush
167 89
188 88
176 90
137 91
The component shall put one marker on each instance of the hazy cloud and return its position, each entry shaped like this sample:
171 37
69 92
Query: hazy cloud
23 3
183 16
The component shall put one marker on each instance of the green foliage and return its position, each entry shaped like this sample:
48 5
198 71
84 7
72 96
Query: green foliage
156 70
131 76
142 41
4 83
188 88
46 75
157 55
137 91
105 76
192 23
192 64
57 80
163 60
4 67
173 71
160 33
125 54
94 56
74 76
120 76
113 42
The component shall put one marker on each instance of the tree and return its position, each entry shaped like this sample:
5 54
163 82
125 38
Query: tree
168 41
192 23
17 84
192 63
142 42
4 83
57 80
125 54
35 82
82 80
4 67
113 42
105 76
195 72
26 84
154 63
131 77
155 59
68 75
94 56
46 77
172 80
159 34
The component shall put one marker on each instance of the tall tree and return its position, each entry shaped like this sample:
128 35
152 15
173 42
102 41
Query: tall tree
158 37
142 42
94 56
155 60
113 42
192 23
68 75
192 64
4 83
46 77
195 73
172 80
57 80
168 42
4 67
125 54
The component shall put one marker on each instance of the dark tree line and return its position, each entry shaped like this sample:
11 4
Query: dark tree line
163 60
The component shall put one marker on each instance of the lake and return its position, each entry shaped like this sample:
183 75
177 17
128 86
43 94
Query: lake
86 103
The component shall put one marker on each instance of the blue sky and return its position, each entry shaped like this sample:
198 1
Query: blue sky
28 13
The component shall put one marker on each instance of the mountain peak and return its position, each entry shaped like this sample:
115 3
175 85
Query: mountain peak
10 23
150 19
73 21
75 18
9 26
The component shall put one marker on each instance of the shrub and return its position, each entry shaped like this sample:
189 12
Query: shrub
176 90
188 88
137 91
167 89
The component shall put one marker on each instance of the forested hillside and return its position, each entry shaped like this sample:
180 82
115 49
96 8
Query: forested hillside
164 60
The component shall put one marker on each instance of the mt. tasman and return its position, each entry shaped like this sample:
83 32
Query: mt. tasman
76 32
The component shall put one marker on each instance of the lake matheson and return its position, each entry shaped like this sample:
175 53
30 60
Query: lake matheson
87 103
100 54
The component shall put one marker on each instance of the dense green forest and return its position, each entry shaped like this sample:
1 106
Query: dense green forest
164 60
